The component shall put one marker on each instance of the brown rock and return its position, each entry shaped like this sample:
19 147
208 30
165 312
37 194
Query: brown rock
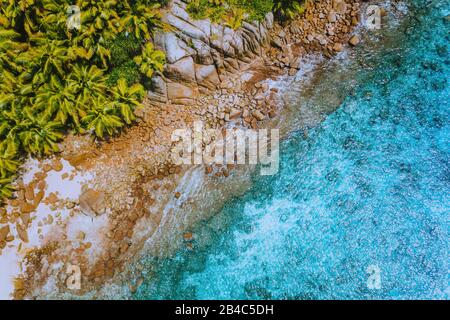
248 119
27 207
38 198
57 165
78 159
188 236
29 192
272 114
46 167
4 231
354 41
25 218
81 236
22 232
124 247
340 6
42 185
235 113
332 17
258 115
338 47
52 198
91 201
177 195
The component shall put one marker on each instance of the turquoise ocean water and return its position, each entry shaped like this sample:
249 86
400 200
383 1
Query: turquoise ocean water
368 187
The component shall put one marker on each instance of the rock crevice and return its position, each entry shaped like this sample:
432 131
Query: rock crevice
201 55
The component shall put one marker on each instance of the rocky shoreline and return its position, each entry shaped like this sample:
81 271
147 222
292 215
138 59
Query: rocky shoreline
122 190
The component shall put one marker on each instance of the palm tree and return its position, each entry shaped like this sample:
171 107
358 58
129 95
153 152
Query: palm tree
6 189
33 132
127 98
151 60
8 155
56 100
141 18
51 56
99 18
40 138
101 118
288 9
234 18
16 11
87 82
10 48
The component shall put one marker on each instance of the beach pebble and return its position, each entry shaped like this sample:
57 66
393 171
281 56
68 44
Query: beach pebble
354 41
338 47
258 115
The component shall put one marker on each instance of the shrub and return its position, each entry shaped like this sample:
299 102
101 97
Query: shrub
128 71
123 49
232 12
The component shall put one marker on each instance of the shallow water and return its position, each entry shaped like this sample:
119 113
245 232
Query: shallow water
366 188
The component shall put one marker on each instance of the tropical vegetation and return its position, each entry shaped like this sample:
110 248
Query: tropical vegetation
233 12
70 65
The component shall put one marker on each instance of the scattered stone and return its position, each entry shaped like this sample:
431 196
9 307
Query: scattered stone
25 217
332 17
354 41
188 236
42 185
57 165
38 198
338 47
52 198
272 114
22 232
27 208
91 201
340 6
81 236
4 231
178 195
235 113
258 115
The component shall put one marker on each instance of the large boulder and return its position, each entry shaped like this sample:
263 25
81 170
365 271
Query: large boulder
180 94
182 70
201 54
92 202
207 76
